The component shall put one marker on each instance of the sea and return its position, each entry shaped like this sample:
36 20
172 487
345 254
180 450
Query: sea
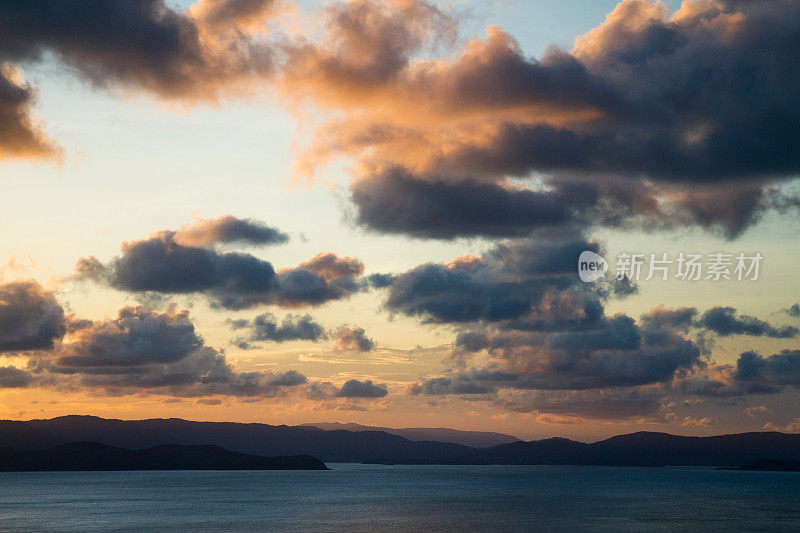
352 497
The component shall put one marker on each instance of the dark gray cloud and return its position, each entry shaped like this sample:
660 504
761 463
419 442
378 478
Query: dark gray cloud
616 352
266 327
396 202
351 339
14 378
135 337
681 318
204 372
142 350
654 357
546 344
380 281
146 351
231 280
139 43
506 283
696 95
759 374
30 317
725 321
752 373
444 385
361 389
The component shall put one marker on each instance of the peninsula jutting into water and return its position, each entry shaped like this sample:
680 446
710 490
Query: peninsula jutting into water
92 456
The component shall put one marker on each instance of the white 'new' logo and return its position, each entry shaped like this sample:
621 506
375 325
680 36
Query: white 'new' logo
591 266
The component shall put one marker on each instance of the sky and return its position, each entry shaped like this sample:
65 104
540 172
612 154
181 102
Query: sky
373 211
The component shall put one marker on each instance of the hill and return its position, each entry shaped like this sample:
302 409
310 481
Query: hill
373 446
256 439
640 449
475 439
94 456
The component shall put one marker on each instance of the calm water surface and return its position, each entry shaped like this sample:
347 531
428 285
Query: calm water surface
402 498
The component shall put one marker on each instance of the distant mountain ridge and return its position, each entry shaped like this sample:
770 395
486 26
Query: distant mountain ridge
256 439
92 456
475 439
639 449
635 449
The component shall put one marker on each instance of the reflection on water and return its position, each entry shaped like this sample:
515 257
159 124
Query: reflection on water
367 498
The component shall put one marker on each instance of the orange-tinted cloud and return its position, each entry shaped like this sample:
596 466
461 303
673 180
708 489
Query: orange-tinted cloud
671 104
228 229
21 135
129 45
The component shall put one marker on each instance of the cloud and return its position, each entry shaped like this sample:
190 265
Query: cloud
14 378
681 318
331 267
30 317
443 385
138 44
265 327
654 357
506 283
228 229
209 401
146 351
761 374
204 372
604 404
674 105
638 125
231 280
614 353
532 338
752 373
136 336
361 389
351 339
240 14
394 201
724 321
521 305
21 135
537 328
129 45
365 43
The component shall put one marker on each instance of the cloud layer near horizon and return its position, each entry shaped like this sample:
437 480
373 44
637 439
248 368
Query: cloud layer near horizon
138 351
532 337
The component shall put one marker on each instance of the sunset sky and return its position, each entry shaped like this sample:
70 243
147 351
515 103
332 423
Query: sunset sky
372 211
